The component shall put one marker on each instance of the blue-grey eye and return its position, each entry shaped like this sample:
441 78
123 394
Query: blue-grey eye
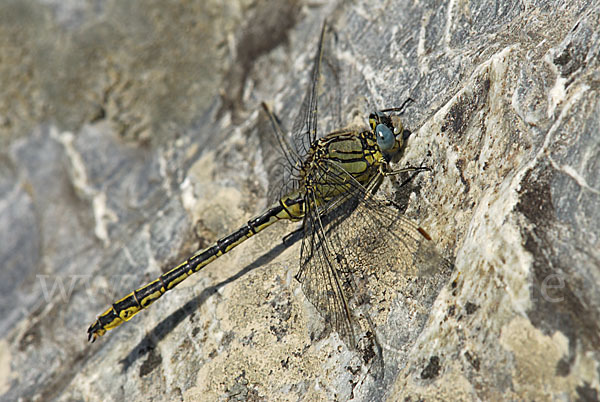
385 137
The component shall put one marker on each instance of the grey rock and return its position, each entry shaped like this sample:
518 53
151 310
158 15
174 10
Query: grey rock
131 136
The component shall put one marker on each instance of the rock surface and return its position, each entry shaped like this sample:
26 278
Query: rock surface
130 136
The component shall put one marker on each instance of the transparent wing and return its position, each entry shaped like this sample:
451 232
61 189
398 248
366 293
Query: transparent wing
375 235
284 171
304 129
325 283
324 89
354 236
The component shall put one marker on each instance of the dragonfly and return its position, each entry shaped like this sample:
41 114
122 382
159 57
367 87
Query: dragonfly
329 185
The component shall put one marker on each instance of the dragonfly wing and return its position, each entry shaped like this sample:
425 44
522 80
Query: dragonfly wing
354 239
283 162
304 129
304 132
374 234
324 284
292 153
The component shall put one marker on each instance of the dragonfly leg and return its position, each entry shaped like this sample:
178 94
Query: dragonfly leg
406 170
399 109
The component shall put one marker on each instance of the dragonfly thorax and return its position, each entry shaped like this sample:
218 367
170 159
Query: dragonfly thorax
339 161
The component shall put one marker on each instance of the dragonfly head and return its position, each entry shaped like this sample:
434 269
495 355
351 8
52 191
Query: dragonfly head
388 131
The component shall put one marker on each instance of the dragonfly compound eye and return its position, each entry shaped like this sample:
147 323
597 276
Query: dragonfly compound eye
385 137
